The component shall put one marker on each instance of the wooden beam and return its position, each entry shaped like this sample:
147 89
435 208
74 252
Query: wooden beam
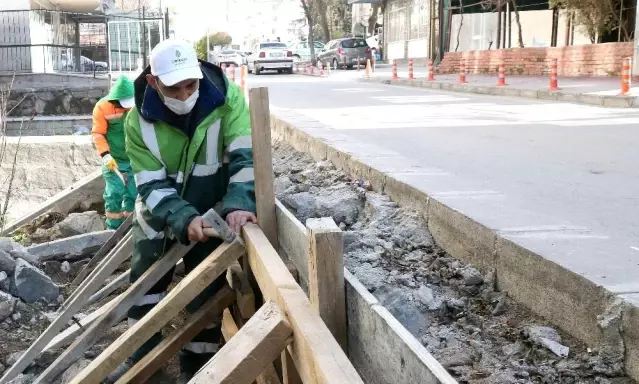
103 251
238 280
263 162
326 275
116 283
71 306
192 285
229 329
250 351
83 190
292 239
68 335
289 372
198 321
317 356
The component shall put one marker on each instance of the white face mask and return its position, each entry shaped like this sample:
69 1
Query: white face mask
180 107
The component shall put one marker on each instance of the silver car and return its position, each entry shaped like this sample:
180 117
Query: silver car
271 55
344 53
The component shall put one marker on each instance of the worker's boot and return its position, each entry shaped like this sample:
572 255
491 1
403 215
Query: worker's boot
184 378
117 373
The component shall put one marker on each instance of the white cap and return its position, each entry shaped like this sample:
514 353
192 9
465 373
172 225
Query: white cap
173 61
128 102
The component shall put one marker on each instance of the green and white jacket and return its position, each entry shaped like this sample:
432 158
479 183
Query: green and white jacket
185 165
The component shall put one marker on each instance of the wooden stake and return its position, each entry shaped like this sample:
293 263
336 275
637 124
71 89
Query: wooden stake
263 162
192 285
158 357
118 282
317 356
229 329
119 309
103 251
326 275
250 351
72 305
289 372
239 282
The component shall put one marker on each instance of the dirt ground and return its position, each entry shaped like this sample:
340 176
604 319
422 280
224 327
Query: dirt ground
477 333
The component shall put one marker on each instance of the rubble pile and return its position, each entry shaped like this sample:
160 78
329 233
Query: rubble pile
476 332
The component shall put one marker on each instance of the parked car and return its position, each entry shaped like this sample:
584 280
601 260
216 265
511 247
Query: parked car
228 57
302 51
86 64
244 57
344 53
270 56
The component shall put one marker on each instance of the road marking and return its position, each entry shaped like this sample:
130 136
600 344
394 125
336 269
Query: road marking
635 248
551 231
584 123
467 195
358 90
419 99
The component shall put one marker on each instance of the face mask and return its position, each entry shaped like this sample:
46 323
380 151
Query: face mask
180 107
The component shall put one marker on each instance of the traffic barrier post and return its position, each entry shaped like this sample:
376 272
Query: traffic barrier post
431 71
462 72
501 80
626 78
394 69
410 69
367 71
232 69
553 75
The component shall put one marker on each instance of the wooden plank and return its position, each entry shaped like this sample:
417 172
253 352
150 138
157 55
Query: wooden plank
238 280
229 329
381 348
289 373
194 283
293 239
68 335
83 190
326 275
263 162
71 306
317 356
103 251
116 283
250 351
158 357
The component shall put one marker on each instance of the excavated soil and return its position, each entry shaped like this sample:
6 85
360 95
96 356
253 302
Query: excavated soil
477 333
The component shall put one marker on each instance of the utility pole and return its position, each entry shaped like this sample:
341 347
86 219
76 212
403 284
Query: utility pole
635 59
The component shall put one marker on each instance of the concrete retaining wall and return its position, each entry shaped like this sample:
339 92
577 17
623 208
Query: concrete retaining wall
44 167
568 300
56 101
47 125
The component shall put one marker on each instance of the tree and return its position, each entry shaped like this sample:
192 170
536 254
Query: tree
499 4
598 17
218 38
307 6
518 21
372 19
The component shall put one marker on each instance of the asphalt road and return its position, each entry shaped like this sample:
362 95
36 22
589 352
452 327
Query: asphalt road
560 179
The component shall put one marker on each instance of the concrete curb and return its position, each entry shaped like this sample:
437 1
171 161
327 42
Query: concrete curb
567 299
582 98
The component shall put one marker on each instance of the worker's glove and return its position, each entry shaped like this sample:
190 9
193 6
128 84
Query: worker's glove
109 162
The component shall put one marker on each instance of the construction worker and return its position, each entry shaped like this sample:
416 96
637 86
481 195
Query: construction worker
189 141
108 137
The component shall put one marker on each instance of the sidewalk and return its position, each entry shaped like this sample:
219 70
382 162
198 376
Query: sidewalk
593 91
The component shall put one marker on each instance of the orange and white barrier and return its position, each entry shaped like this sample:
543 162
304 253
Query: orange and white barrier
626 78
358 63
501 80
321 68
553 75
328 68
431 71
410 70
367 71
394 69
232 75
243 86
462 72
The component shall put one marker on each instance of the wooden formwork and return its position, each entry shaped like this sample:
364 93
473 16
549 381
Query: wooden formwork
287 329
274 331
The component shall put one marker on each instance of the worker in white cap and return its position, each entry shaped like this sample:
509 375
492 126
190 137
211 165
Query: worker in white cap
189 141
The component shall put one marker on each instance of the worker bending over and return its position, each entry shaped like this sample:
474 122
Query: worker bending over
108 137
189 141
